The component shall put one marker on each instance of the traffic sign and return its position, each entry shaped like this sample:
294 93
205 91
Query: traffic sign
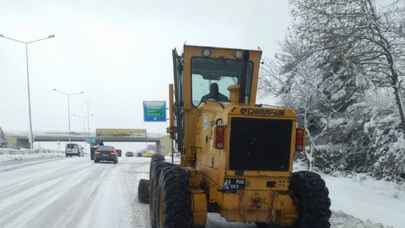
154 111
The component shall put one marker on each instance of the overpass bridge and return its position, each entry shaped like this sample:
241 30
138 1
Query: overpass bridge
21 138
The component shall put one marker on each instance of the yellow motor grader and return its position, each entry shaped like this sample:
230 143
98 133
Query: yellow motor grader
236 155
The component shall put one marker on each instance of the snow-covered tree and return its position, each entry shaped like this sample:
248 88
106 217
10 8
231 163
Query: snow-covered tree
338 55
359 46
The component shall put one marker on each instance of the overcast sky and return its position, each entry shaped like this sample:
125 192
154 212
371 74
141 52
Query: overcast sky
118 52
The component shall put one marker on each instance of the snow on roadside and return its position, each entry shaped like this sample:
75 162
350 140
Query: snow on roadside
9 154
340 219
368 199
365 198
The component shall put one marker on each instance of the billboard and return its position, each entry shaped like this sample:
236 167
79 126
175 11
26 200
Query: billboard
154 111
125 132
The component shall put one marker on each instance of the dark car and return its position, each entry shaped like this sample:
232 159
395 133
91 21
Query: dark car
129 154
106 153
119 152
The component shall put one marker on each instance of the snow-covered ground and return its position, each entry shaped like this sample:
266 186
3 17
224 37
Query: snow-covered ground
368 199
8 154
75 192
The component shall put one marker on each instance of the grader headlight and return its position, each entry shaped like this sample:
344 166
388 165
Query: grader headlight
239 54
206 52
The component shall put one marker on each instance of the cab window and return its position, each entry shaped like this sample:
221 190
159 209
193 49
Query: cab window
221 71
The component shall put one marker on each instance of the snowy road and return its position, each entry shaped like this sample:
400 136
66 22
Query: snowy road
76 192
73 193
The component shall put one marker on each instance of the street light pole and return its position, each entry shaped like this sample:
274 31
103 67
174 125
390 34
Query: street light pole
89 115
68 108
86 121
31 136
26 43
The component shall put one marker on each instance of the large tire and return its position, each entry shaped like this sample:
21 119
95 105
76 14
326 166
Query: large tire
155 159
174 199
143 191
312 199
156 169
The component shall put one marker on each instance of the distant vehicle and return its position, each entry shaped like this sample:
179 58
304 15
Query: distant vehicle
129 154
119 152
146 154
106 153
73 149
93 147
3 141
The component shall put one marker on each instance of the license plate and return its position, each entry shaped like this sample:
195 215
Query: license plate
233 184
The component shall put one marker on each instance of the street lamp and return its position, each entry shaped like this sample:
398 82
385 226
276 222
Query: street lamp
26 43
86 119
68 104
89 115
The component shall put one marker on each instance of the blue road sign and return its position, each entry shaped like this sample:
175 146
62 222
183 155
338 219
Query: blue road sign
154 111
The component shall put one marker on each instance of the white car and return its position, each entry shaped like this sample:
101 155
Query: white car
73 149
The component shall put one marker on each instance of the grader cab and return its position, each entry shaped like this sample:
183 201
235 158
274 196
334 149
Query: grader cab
236 156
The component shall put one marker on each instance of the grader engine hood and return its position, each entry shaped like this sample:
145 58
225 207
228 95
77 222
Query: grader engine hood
260 138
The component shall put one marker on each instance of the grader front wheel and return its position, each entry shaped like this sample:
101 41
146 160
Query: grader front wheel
156 168
143 191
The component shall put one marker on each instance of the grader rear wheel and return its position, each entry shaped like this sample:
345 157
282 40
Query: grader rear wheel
174 203
312 200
